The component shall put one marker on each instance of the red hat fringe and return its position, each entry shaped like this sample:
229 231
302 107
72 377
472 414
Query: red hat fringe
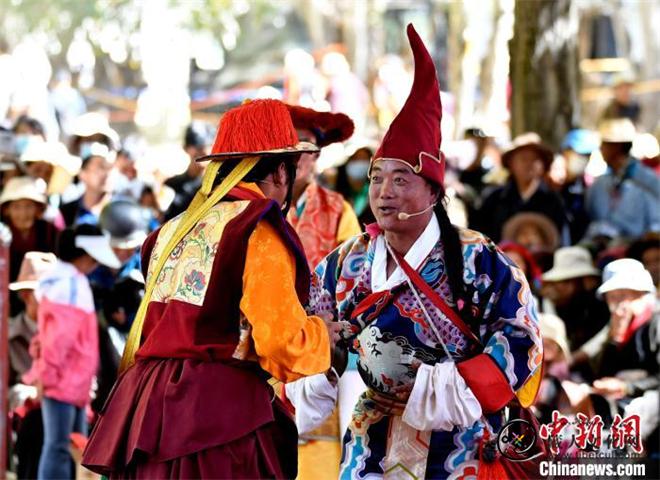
255 126
327 126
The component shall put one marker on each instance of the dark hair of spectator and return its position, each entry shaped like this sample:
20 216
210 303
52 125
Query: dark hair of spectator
66 249
35 126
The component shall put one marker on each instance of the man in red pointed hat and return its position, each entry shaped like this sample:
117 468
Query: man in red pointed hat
321 217
443 324
222 312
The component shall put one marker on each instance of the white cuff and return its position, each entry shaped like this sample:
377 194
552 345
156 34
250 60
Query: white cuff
314 398
441 400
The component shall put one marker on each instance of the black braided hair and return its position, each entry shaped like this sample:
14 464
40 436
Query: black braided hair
453 251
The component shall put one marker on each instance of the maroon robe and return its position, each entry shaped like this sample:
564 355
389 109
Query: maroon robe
187 408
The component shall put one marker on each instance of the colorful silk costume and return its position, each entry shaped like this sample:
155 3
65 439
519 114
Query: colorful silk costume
391 335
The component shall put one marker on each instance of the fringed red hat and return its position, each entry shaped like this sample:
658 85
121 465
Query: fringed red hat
414 135
256 128
327 127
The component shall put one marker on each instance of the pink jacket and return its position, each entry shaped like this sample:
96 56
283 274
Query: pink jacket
66 346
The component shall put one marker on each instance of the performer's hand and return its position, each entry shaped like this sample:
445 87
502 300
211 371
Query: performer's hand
334 332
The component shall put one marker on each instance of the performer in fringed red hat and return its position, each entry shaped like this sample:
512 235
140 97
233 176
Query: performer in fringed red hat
321 217
222 312
323 220
443 324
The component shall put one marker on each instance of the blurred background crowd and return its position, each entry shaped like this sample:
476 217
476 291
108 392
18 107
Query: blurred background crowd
550 131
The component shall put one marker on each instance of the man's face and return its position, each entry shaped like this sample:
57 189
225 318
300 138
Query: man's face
305 170
612 153
123 254
561 293
95 174
394 188
526 165
530 237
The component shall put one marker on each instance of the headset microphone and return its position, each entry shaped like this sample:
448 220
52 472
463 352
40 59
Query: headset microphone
406 216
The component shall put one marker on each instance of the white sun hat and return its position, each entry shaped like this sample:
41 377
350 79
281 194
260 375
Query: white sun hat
98 247
626 274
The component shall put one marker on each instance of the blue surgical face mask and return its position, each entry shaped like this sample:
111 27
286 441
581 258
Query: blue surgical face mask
357 169
21 142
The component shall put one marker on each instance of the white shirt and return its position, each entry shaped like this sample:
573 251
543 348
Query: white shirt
415 257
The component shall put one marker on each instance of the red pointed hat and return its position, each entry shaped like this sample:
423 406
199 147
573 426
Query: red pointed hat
414 135
327 127
256 128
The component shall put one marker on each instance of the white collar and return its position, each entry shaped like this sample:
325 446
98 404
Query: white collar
416 255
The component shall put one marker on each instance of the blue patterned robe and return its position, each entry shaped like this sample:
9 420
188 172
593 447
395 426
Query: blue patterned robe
388 340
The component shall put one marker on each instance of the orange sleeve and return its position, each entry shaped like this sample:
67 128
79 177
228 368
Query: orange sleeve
288 343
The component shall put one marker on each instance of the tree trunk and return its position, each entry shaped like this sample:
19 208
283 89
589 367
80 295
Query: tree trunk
544 69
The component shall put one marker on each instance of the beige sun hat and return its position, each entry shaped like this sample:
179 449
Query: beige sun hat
617 130
24 188
571 262
66 166
553 328
33 266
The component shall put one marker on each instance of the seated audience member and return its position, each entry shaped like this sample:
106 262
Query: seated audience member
624 201
526 190
571 287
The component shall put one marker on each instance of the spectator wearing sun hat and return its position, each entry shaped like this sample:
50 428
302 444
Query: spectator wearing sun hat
570 285
527 161
22 203
627 365
625 201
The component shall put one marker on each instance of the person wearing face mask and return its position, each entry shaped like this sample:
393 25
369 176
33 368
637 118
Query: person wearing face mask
443 324
27 129
626 364
321 217
353 183
222 312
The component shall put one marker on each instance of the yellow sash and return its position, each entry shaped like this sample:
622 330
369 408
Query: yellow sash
198 208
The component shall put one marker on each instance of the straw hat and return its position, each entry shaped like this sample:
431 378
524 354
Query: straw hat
28 188
528 140
33 266
541 222
570 262
65 165
617 130
553 328
626 274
